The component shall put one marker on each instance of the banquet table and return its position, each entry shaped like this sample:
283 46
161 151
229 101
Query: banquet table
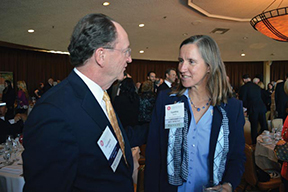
264 152
11 178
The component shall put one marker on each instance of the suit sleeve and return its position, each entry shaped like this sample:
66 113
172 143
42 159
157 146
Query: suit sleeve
236 159
153 148
51 152
137 135
243 95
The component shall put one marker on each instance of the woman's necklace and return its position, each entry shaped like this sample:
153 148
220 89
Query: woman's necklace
198 108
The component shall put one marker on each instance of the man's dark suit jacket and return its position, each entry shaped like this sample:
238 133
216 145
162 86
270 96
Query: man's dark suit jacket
250 94
281 100
60 141
162 87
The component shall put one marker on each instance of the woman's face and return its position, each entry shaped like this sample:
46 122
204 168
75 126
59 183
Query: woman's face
270 86
193 70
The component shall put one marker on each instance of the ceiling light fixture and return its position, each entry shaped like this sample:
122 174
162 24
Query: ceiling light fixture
106 3
272 23
141 51
141 25
30 30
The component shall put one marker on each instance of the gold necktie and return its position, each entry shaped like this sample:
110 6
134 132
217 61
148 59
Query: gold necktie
114 123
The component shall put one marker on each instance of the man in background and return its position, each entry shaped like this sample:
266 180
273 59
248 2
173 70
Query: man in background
170 77
151 76
73 140
48 85
12 126
250 94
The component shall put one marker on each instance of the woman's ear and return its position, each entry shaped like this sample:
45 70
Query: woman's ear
208 69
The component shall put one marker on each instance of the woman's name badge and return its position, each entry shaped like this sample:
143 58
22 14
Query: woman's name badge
174 115
110 148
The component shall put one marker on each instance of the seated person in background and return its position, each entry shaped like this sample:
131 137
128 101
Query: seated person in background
10 126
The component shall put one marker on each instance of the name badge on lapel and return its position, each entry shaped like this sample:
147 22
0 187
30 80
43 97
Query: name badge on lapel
110 148
174 115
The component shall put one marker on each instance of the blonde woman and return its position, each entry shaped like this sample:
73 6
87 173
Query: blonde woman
22 97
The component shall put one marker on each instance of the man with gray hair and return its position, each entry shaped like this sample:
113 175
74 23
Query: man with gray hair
73 139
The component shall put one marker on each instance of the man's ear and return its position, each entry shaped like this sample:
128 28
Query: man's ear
99 56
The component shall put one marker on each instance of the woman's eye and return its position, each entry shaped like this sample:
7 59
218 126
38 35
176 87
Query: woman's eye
191 61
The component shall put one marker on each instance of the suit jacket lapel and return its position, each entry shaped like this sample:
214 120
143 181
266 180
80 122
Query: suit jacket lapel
94 110
89 103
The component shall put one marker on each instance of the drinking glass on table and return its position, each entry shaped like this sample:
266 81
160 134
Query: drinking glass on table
15 149
9 140
7 155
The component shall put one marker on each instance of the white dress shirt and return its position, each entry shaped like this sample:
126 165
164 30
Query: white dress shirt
95 89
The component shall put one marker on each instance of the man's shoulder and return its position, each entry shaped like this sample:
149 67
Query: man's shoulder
57 94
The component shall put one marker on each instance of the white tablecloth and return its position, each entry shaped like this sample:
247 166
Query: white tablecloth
264 153
11 179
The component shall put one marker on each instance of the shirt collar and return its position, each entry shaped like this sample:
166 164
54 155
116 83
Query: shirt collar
96 90
168 83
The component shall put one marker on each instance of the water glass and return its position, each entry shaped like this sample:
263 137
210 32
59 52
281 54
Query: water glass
15 149
6 157
9 140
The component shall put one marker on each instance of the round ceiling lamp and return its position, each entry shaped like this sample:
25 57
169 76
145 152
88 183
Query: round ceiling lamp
273 24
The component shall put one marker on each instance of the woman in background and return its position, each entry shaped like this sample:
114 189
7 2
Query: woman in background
284 169
22 97
147 102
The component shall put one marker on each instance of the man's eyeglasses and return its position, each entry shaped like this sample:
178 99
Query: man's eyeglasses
127 51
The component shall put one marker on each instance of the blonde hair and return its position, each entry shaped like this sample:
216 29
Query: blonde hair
217 83
261 85
22 85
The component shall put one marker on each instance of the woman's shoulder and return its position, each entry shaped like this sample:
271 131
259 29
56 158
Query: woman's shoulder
233 100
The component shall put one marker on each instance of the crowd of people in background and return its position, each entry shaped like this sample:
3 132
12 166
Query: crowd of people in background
72 122
16 104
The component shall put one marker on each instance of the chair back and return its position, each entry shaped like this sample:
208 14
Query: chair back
140 180
277 123
250 174
268 113
247 132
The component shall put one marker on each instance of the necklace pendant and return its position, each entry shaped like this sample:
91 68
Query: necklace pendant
198 109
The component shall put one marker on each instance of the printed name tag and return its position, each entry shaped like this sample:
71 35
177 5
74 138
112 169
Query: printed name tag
110 148
174 116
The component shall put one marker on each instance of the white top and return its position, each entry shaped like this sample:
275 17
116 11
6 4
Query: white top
95 89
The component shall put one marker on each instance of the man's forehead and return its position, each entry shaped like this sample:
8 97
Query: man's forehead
121 36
